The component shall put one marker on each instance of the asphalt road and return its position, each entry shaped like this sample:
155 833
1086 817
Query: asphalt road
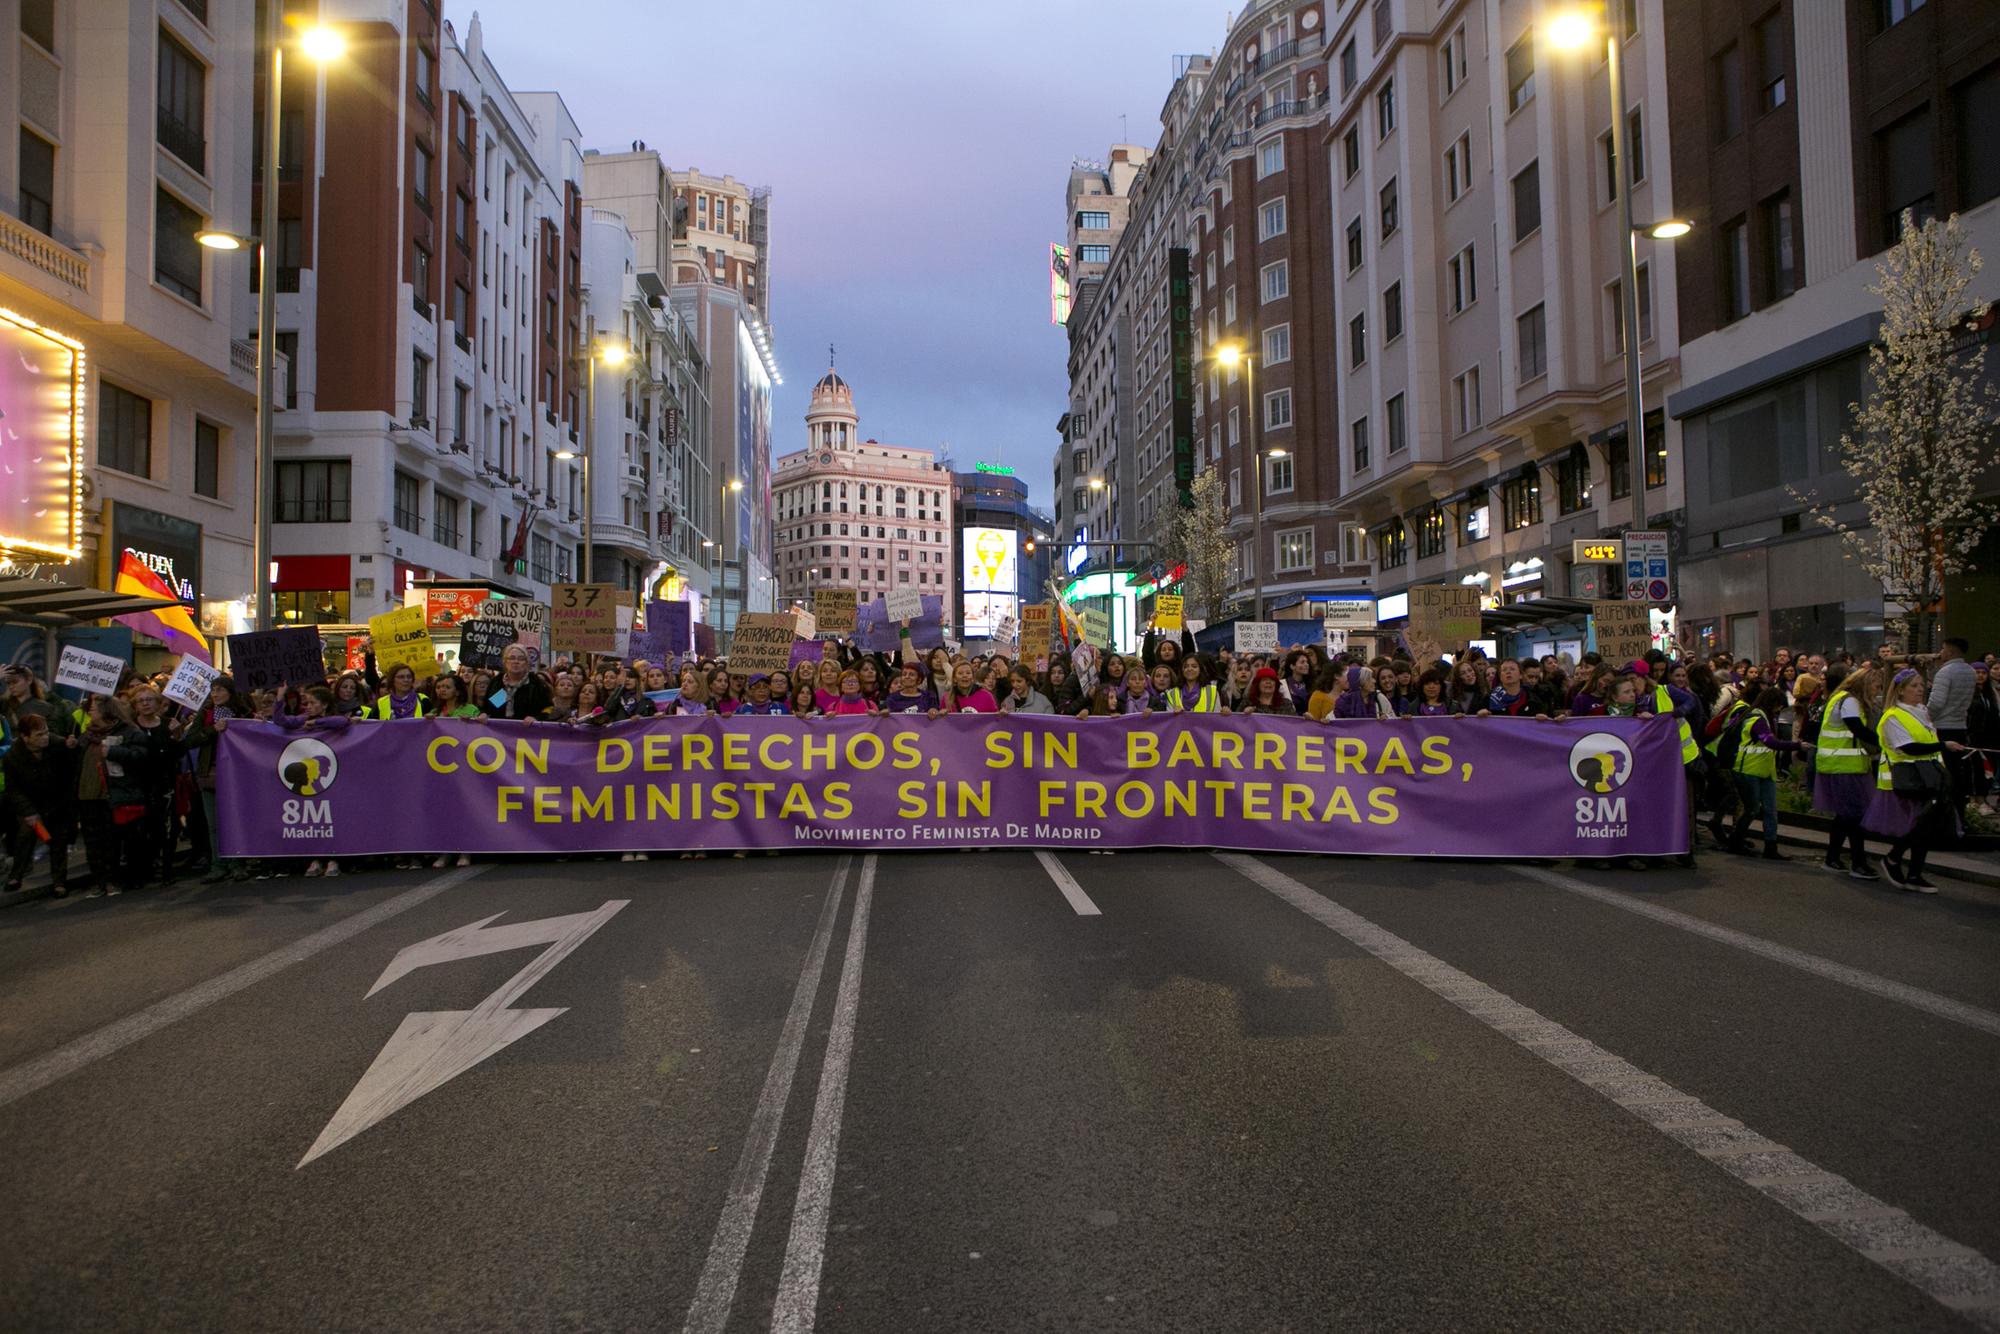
1002 1091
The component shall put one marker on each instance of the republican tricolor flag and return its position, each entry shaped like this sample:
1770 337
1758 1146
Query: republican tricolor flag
171 624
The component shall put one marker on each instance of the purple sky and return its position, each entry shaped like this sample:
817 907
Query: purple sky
917 153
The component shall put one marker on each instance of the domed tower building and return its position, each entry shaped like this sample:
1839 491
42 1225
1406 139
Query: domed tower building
852 512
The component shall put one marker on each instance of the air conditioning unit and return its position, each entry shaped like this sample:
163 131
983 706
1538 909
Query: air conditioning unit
1353 544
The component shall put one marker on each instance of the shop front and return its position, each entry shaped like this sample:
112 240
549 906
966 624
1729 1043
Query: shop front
169 546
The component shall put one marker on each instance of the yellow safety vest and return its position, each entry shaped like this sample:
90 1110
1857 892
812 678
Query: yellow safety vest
1754 759
1663 704
1919 733
379 709
1721 732
1208 701
1836 751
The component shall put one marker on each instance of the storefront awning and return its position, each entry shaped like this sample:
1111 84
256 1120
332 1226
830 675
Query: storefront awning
38 602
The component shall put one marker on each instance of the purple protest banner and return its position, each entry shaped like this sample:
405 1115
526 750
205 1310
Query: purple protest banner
1599 787
673 619
807 650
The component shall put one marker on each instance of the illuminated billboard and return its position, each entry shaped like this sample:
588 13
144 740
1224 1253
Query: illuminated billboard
989 578
1058 283
41 442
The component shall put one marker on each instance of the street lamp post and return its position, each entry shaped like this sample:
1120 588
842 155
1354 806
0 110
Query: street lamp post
1232 354
611 354
723 525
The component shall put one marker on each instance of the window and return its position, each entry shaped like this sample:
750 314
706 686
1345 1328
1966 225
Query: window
1277 344
1520 503
1458 168
409 492
444 519
1295 549
1637 142
1087 254
420 389
38 20
1573 481
1904 152
461 306
314 491
1277 280
1270 158
124 430
1656 450
1452 57
1635 138
1357 340
288 348
1769 34
1531 332
1354 245
1277 409
1382 24
1977 104
1735 269
1726 91
1780 259
1398 424
1271 220
1614 297
1465 397
176 254
1527 201
290 257
1521 72
1350 68
1278 473
1392 545
461 213
38 182
1461 281
207 459
1888 13
1350 152
461 410
1385 109
1478 513
1235 488
1392 313
1228 245
1359 435
1430 533
1388 200
420 181
426 73
1229 318
1088 221
183 99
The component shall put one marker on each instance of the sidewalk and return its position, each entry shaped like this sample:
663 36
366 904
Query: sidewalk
1977 868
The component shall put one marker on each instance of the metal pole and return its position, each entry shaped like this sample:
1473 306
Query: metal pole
589 438
1256 488
722 545
1635 402
267 323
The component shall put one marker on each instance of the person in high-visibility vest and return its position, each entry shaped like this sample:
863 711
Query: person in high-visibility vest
1912 801
1197 691
1844 769
1724 722
1755 766
402 701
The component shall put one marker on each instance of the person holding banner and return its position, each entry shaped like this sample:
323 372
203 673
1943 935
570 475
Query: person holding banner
350 694
1197 692
1061 688
38 784
402 702
1265 694
805 700
965 695
448 696
1022 697
202 733
758 702
910 694
722 691
630 700
519 693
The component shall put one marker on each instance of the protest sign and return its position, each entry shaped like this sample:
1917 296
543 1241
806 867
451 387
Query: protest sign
530 618
762 643
875 631
807 625
1007 631
1256 636
402 639
190 682
903 604
1035 630
807 650
1167 611
1336 637
1624 630
621 643
675 620
270 659
1443 619
481 642
1095 627
835 608
583 618
704 640
1406 787
96 673
647 645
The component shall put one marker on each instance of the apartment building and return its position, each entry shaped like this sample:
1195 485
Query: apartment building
722 234
1801 134
1478 300
856 513
126 138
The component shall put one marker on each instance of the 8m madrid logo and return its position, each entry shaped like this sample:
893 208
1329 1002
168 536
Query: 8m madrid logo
307 768
1601 763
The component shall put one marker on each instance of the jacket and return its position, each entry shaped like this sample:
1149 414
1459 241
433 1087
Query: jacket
43 785
1951 695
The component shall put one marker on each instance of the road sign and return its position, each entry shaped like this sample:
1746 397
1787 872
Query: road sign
1646 566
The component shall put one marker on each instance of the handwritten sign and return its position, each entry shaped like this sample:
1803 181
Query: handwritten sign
762 643
1167 611
1443 619
96 673
271 659
1624 630
481 642
190 682
1256 637
835 608
1095 627
402 639
1035 620
583 618
807 624
530 618
903 604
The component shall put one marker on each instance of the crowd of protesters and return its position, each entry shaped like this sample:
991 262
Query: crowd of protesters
1884 746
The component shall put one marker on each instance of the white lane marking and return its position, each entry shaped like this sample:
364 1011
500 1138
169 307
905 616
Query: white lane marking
1953 1275
1067 884
805 1251
94 1046
716 1293
432 1047
1972 1016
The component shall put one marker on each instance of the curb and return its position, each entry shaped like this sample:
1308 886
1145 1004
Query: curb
1879 848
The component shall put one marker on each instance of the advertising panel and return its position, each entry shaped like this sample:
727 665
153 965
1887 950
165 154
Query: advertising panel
41 441
989 577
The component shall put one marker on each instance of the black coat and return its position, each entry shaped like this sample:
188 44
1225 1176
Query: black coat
43 785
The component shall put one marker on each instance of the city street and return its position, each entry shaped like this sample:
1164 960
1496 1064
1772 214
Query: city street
1005 1091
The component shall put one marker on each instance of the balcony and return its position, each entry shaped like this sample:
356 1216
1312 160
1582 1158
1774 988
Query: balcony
44 252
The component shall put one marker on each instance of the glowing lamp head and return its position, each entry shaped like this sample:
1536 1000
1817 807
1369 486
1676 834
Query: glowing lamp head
322 43
1571 30
614 354
565 453
1670 229
735 484
1229 353
221 240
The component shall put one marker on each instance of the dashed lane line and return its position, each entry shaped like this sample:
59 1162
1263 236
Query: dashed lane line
1066 882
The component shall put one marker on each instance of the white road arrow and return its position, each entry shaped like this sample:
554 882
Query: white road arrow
431 1047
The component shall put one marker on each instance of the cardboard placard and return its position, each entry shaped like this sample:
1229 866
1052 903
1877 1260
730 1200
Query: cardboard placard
403 639
583 618
1095 626
903 604
271 659
621 646
481 642
1256 637
190 683
1624 630
530 618
1167 611
835 608
1446 612
762 643
96 673
1035 621
807 624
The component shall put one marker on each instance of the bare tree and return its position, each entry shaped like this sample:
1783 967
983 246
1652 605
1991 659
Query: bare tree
1199 539
1922 441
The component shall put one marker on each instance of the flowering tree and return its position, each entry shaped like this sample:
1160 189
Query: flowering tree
1922 440
1199 538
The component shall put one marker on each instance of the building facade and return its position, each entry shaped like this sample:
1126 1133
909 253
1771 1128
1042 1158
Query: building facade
1799 138
127 139
855 513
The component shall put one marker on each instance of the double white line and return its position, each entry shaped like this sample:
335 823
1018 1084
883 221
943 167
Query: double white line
805 1250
